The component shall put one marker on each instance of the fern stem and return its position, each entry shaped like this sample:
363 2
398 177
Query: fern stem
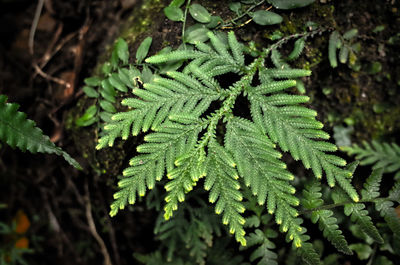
232 21
334 205
284 40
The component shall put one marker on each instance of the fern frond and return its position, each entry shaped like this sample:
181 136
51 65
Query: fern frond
380 155
298 48
389 214
309 255
291 128
182 179
159 99
264 251
193 227
158 154
223 58
371 186
327 222
222 182
394 193
18 131
384 206
175 56
359 215
267 177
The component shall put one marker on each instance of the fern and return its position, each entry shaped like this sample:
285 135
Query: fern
184 144
192 227
384 206
380 155
18 131
359 215
327 223
263 252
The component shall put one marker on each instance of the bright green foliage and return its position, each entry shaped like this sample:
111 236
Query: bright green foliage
380 155
327 222
18 131
185 143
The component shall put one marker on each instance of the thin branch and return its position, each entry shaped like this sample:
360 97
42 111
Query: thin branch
334 205
92 227
35 22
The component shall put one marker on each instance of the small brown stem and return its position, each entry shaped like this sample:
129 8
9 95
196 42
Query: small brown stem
92 227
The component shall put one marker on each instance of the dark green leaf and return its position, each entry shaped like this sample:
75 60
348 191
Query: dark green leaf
343 54
199 13
177 3
215 21
107 106
90 92
106 68
123 75
196 33
363 250
116 82
143 49
290 4
147 75
235 7
105 84
350 34
263 17
88 118
93 81
174 13
105 116
122 50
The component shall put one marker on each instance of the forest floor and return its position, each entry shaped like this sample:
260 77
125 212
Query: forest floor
43 68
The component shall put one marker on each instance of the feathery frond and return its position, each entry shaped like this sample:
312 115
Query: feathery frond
327 222
380 155
18 131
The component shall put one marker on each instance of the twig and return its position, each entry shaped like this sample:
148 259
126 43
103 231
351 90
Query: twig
49 77
35 22
92 227
334 205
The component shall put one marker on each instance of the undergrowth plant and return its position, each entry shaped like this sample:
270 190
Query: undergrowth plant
18 131
220 114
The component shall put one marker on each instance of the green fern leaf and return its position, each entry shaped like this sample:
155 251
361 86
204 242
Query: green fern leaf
174 106
291 128
327 223
158 154
267 177
18 131
380 155
359 215
297 49
222 182
159 99
371 186
264 251
389 214
309 255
